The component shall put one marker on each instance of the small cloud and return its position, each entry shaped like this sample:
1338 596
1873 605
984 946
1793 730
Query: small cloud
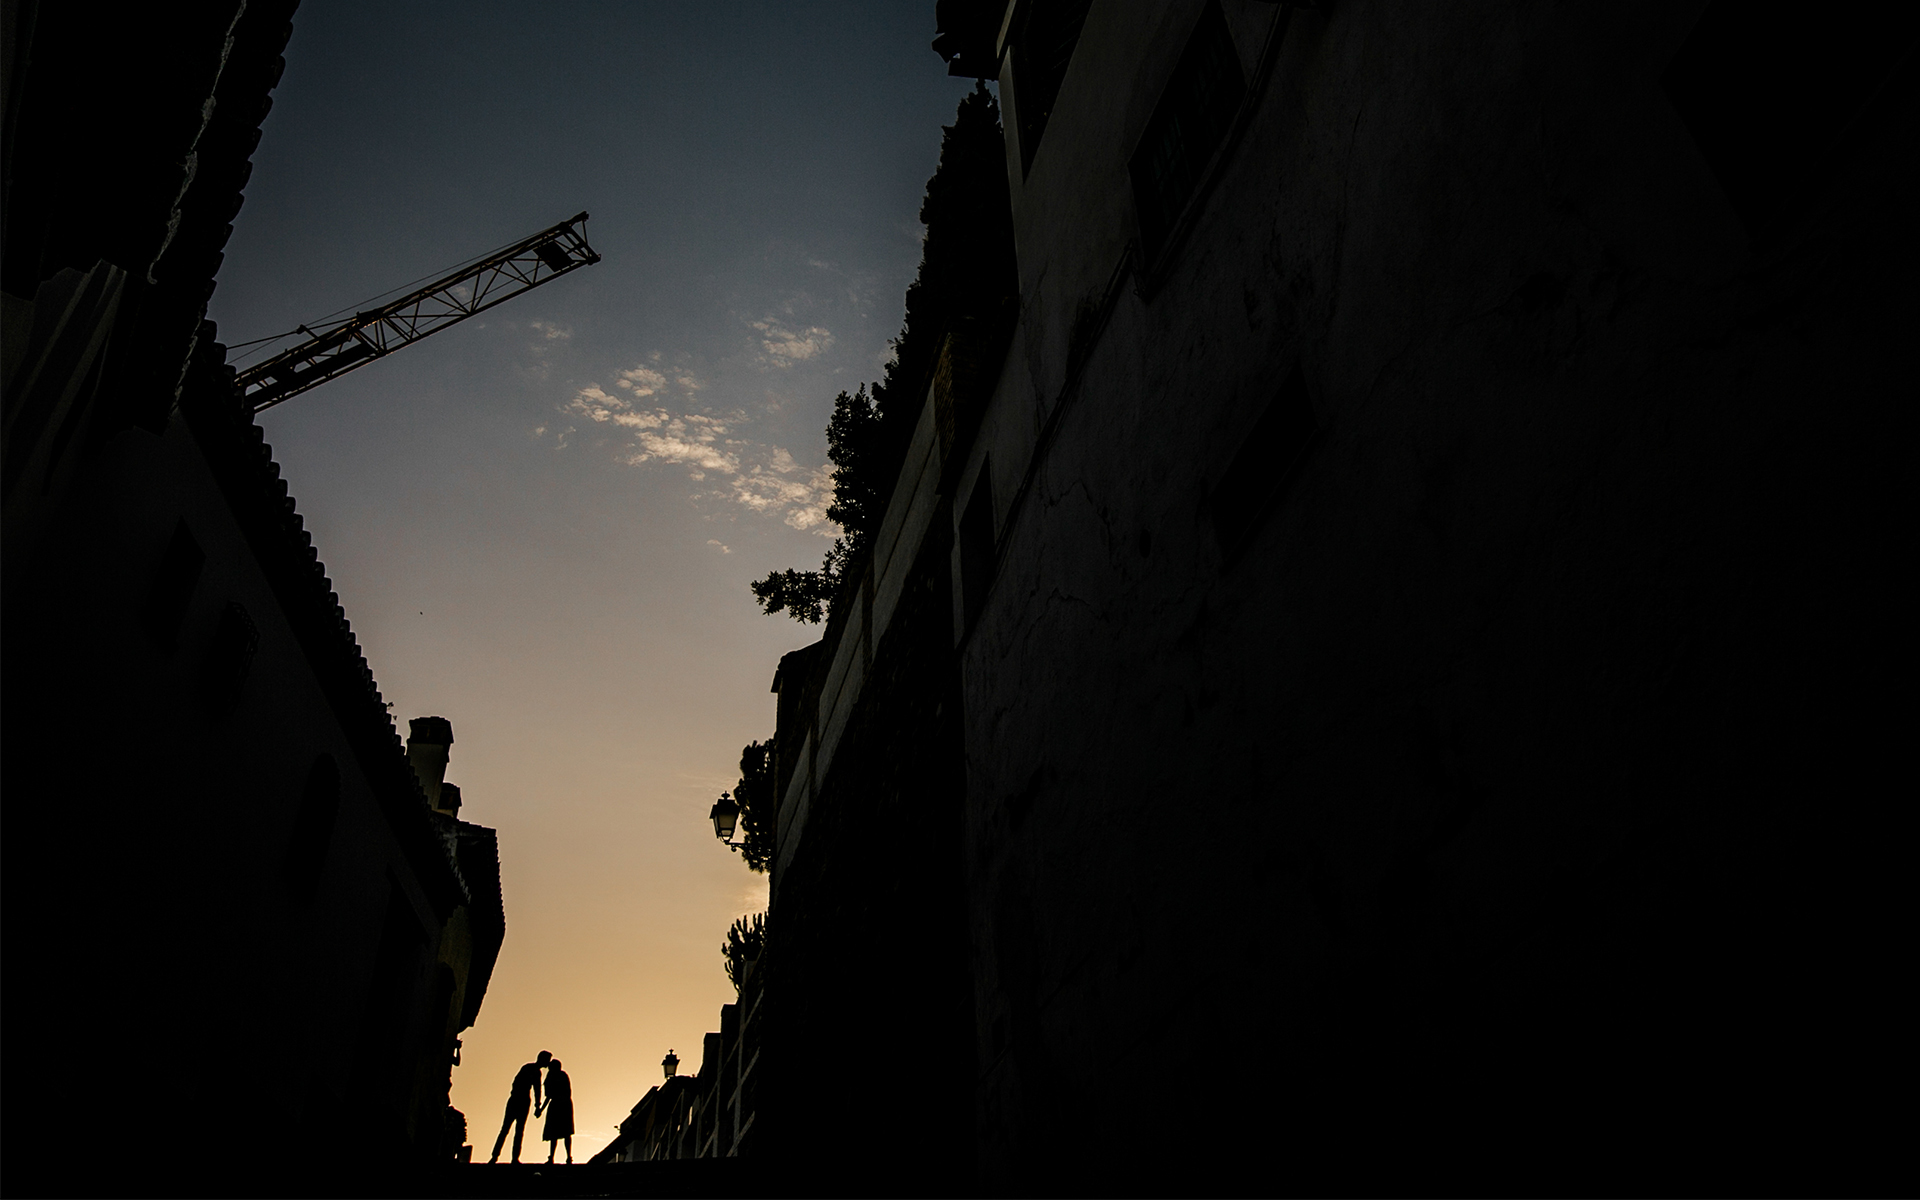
594 404
641 381
696 440
550 331
781 486
784 347
716 542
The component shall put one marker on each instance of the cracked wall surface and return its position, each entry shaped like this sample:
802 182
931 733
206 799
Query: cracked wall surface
1514 757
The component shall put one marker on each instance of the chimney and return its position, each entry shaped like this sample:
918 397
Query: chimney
449 799
428 741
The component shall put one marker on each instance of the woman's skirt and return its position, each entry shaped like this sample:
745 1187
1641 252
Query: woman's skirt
559 1120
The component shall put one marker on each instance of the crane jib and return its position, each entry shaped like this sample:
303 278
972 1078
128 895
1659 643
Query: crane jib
493 280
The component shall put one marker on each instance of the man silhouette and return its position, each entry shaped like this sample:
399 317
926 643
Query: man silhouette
526 1093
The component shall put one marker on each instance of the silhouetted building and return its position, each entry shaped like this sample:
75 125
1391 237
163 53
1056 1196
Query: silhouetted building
656 1127
711 1114
233 920
1400 628
469 942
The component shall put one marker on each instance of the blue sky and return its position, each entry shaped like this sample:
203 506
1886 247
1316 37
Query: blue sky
542 522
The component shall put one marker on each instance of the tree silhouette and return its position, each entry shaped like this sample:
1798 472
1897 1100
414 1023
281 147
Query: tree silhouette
966 269
854 447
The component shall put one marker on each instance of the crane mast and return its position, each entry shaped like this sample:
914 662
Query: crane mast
333 351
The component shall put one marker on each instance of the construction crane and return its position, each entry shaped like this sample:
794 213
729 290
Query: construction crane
336 349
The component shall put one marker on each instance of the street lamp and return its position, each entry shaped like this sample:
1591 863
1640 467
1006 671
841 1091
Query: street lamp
671 1063
725 815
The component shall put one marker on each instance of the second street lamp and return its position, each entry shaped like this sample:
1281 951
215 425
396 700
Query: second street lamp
725 816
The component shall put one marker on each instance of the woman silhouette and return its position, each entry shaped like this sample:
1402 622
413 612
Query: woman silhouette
559 1107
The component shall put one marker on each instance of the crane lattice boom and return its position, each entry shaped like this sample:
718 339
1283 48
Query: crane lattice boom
360 339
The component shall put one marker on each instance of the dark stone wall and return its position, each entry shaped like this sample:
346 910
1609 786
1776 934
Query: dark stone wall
1505 807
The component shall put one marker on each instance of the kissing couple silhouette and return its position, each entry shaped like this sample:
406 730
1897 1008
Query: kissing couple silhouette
525 1095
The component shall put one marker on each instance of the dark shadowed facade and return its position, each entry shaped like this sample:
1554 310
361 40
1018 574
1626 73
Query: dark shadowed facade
235 917
1385 671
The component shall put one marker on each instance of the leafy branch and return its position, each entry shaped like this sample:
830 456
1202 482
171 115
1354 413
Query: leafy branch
746 941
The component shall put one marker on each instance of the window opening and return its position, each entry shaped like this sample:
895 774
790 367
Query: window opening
1041 51
1188 124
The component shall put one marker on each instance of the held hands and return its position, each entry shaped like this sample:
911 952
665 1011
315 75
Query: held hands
541 1107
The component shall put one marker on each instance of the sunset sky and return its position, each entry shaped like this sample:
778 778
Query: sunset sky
542 523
